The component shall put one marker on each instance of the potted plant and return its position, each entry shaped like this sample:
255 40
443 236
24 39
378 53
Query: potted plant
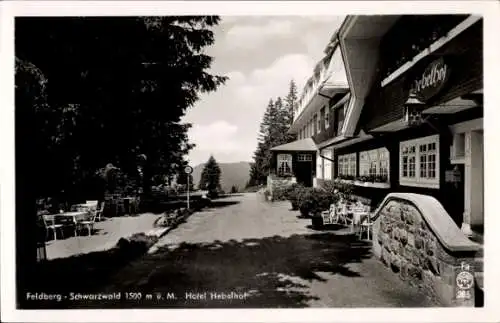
292 194
321 201
305 201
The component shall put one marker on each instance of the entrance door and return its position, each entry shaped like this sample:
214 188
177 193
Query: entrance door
454 197
304 169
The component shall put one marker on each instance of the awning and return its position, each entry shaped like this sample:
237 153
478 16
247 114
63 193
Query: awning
306 144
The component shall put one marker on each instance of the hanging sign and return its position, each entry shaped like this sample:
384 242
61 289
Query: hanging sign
432 80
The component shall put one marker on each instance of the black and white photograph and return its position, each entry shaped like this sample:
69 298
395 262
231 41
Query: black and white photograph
248 160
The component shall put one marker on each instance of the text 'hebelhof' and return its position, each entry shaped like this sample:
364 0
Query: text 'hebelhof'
432 79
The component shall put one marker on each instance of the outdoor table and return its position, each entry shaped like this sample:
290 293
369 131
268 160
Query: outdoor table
356 217
75 216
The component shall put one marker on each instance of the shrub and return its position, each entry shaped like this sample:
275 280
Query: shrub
314 200
267 194
345 190
280 192
294 193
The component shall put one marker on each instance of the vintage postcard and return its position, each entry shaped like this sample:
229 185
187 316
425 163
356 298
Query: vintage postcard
250 156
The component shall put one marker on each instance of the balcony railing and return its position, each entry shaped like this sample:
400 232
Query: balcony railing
310 91
413 34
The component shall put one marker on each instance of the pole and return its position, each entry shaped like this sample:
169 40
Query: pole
187 191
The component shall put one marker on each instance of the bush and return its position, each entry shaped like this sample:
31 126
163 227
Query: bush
137 244
293 194
315 200
343 189
267 194
234 189
280 193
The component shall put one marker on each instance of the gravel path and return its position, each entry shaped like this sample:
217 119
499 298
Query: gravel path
248 253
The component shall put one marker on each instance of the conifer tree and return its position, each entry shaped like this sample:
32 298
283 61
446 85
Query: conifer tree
210 176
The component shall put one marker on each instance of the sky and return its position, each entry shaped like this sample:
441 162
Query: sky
260 55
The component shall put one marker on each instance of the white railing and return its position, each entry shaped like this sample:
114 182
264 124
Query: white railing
310 91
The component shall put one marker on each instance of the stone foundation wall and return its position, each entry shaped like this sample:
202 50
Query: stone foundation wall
420 242
277 185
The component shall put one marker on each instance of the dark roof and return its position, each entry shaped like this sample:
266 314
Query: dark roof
298 145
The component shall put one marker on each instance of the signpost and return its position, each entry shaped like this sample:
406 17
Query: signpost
188 170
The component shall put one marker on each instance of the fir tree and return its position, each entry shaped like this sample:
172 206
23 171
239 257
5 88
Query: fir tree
210 176
274 128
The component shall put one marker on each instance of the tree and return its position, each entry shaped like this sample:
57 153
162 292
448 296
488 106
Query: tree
274 128
291 101
97 90
117 87
210 176
234 189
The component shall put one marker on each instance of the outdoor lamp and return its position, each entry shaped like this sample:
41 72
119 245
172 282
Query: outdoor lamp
413 110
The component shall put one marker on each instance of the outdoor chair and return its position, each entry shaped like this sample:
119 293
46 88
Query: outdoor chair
366 226
359 212
92 202
343 213
99 211
331 214
87 224
49 222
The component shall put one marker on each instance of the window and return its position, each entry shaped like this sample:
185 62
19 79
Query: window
339 119
347 165
419 162
284 164
315 124
321 119
304 157
327 118
374 163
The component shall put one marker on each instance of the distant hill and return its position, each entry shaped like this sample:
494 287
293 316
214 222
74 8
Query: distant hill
236 174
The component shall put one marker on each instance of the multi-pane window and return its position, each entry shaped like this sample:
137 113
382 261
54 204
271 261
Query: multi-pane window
339 119
320 120
419 162
428 160
284 164
409 156
327 117
304 157
347 165
374 163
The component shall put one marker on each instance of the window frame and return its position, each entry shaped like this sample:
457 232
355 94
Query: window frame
411 149
304 157
288 161
347 163
327 117
377 157
339 122
320 121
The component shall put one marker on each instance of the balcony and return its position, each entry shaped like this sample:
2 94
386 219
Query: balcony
329 78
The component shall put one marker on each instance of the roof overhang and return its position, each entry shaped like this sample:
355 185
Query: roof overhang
452 106
343 141
306 144
393 126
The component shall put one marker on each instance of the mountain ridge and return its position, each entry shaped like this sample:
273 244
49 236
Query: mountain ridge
232 174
